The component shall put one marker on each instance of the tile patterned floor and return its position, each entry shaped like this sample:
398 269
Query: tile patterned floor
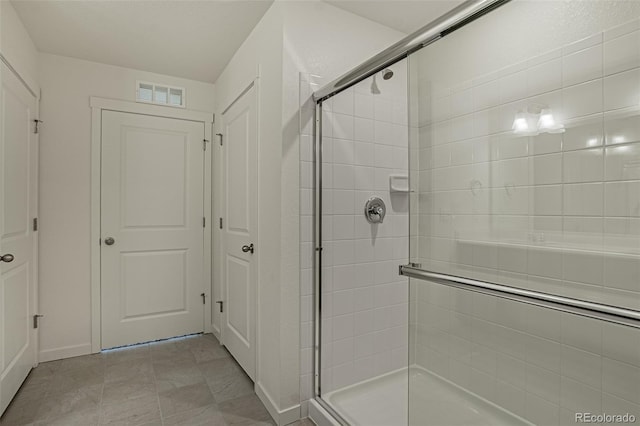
190 381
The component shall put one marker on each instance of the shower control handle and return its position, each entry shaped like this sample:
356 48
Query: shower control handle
375 210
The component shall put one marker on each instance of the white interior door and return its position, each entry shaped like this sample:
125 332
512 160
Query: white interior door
18 204
240 230
152 210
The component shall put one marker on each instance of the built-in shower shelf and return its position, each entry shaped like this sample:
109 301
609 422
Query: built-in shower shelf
399 183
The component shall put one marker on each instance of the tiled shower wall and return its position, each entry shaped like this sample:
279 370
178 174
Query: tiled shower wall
554 212
364 300
558 213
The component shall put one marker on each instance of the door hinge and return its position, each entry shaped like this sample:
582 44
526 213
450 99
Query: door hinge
36 320
219 135
204 222
35 223
204 296
36 125
221 305
220 223
204 144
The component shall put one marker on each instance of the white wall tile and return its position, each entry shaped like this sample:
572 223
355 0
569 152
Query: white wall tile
582 99
343 102
546 169
583 133
513 87
583 166
622 271
363 129
622 90
580 398
363 105
582 66
623 129
583 267
623 162
582 366
544 77
342 125
622 53
622 199
546 201
583 199
621 380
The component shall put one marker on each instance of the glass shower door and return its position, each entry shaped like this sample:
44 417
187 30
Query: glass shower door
364 231
525 172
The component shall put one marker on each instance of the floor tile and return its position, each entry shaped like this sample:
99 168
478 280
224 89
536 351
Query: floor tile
188 381
57 405
86 417
303 422
185 398
246 410
208 415
217 368
131 388
231 385
136 412
127 369
176 373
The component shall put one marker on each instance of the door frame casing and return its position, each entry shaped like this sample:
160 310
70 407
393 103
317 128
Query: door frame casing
98 105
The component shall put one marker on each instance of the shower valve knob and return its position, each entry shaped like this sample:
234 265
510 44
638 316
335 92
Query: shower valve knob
375 210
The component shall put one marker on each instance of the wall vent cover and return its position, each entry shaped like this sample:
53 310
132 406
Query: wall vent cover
160 94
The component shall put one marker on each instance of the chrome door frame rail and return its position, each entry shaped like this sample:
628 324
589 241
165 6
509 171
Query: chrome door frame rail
594 310
447 23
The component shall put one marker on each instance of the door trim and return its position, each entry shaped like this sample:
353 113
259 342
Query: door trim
103 104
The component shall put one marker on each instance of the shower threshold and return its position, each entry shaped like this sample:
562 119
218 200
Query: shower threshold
382 401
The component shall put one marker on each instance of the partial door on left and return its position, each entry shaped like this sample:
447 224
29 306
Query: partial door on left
18 245
152 209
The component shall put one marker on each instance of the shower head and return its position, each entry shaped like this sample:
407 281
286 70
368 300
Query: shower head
387 74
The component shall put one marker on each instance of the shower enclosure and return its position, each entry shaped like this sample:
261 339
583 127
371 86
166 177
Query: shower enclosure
502 285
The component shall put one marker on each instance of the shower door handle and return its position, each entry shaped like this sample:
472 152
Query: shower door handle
248 249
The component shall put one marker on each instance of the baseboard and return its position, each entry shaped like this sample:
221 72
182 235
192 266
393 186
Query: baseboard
320 416
64 352
281 417
216 332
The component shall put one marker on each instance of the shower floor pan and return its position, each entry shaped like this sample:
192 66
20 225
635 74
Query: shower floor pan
382 401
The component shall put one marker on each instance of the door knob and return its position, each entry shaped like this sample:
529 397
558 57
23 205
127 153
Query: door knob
109 241
9 258
248 248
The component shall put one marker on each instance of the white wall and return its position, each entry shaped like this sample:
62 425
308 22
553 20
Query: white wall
65 162
292 37
260 54
325 41
17 47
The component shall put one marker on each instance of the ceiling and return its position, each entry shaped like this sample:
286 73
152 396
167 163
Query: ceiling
406 16
193 39
182 38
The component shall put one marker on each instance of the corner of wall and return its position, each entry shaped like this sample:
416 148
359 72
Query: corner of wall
17 47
